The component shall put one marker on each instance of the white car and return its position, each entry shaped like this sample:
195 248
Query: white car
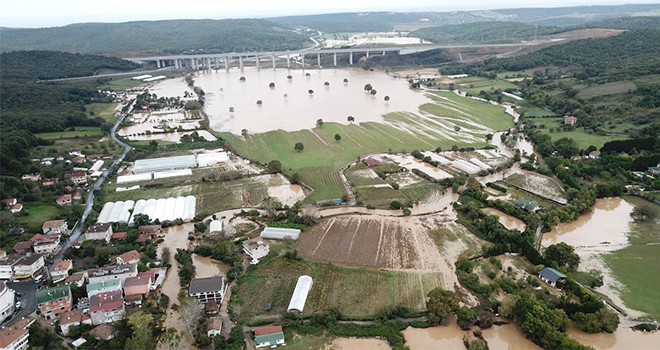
18 304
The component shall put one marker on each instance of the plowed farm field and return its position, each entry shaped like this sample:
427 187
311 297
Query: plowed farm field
376 242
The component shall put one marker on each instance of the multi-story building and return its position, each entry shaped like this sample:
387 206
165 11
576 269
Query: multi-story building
15 337
54 301
208 289
109 273
60 271
106 307
64 200
99 232
7 267
73 318
103 287
28 266
46 245
130 257
59 227
7 300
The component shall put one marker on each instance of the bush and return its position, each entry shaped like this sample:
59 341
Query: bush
396 205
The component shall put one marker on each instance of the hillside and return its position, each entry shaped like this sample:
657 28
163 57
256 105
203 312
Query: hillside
483 32
42 65
627 23
577 15
173 36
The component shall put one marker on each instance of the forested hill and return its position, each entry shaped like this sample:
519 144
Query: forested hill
631 54
627 23
172 36
42 65
483 32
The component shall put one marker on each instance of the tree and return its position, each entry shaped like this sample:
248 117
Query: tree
271 204
386 98
140 324
319 123
350 119
310 91
274 166
396 205
327 83
271 85
171 340
260 102
241 79
642 213
153 145
231 109
466 318
595 278
299 147
191 312
562 256
337 137
289 77
141 219
368 87
373 92
345 80
440 304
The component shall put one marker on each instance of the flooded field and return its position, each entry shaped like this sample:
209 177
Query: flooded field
289 105
443 337
604 229
507 337
358 344
508 221
623 339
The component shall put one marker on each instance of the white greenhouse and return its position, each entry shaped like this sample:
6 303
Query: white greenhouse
189 208
164 164
280 233
299 297
105 213
124 179
207 159
215 227
479 163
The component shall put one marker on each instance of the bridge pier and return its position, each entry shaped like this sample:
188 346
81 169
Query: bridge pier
208 63
272 57
258 63
176 64
288 61
367 53
226 63
318 59
157 63
334 59
383 52
217 63
350 57
240 62
303 61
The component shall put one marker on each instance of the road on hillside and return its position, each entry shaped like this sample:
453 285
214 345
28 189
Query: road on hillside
89 202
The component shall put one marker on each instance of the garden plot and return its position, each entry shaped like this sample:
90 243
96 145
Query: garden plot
281 189
359 175
409 162
539 185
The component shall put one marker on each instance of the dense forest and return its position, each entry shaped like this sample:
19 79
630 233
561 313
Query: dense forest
43 65
575 15
172 36
426 58
483 32
627 23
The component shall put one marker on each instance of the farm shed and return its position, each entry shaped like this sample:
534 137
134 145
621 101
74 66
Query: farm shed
97 166
551 276
299 297
215 227
207 159
268 337
280 233
164 164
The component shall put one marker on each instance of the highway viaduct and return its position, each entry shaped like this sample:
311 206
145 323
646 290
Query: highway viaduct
227 60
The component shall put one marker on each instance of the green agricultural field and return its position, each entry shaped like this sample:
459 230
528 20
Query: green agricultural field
103 110
121 84
606 89
379 197
582 138
81 131
474 85
631 265
319 162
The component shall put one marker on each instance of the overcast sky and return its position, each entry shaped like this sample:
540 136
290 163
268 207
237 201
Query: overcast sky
49 13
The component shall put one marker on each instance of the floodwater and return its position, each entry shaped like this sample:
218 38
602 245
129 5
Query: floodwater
207 267
508 221
359 344
171 136
288 105
604 229
507 337
623 339
442 337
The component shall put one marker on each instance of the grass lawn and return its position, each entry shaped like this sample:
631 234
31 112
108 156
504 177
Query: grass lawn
582 138
81 131
606 89
103 110
633 266
322 156
38 212
121 83
307 342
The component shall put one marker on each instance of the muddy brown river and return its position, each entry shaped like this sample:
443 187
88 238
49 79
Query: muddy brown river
289 105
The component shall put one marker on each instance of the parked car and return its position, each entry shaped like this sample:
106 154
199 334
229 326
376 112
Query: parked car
18 304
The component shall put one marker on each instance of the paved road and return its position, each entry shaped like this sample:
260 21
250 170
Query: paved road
28 299
77 230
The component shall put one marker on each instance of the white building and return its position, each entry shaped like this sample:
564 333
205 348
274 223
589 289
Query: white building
256 249
106 307
208 289
7 300
280 233
215 227
28 266
60 271
59 227
15 337
109 273
7 267
99 232
299 297
47 245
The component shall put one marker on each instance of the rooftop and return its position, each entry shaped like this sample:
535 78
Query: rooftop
69 317
52 224
63 265
130 255
98 228
53 293
112 270
116 284
106 301
29 260
267 330
208 284
551 274
14 332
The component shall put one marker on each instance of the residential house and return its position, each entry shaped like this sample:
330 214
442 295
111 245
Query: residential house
78 160
208 289
59 227
103 287
654 170
213 326
151 230
78 178
524 204
77 195
50 182
269 337
54 301
28 266
256 249
31 177
130 257
7 266
119 236
135 288
73 318
77 279
106 307
16 208
114 272
60 271
370 162
99 232
570 120
15 337
551 276
46 245
76 153
64 200
23 248
103 332
9 202
594 155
